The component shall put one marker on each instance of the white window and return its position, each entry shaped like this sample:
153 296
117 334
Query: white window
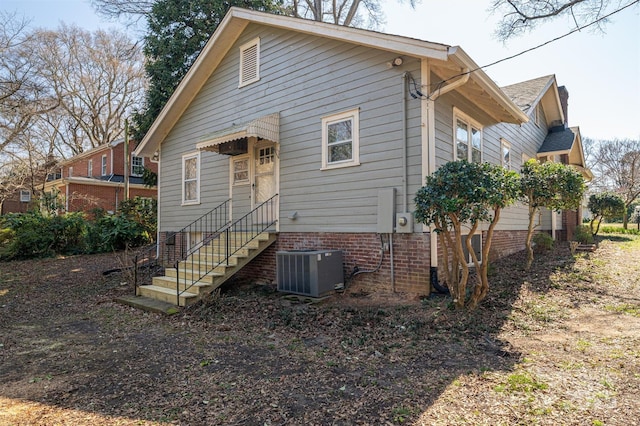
468 138
191 178
137 166
505 153
104 165
249 62
538 116
90 168
340 140
240 170
25 195
476 245
70 171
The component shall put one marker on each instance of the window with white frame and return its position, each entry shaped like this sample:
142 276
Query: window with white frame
240 170
538 116
340 140
250 62
90 168
104 165
505 154
468 138
25 195
70 171
137 166
191 178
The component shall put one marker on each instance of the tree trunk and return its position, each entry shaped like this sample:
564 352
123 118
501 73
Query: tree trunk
481 292
532 216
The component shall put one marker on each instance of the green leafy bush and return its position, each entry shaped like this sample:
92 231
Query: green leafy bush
583 234
618 230
35 235
543 242
31 235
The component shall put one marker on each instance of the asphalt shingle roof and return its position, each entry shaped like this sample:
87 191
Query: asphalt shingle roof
559 140
525 93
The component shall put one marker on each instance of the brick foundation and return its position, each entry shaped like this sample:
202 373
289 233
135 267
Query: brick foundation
411 253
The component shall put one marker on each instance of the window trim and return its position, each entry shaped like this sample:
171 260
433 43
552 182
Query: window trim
103 168
505 144
245 47
90 168
141 165
458 115
537 112
25 196
232 163
185 157
354 115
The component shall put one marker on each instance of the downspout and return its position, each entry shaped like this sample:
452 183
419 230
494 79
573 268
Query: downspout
431 142
405 173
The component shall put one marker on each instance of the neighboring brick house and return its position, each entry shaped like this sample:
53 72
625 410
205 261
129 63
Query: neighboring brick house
95 179
20 196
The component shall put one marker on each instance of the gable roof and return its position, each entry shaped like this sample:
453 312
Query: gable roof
446 61
568 141
542 90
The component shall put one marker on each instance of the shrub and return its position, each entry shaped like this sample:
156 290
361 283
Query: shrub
618 230
543 242
583 234
34 235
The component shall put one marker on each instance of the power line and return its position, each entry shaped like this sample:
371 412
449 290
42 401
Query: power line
541 45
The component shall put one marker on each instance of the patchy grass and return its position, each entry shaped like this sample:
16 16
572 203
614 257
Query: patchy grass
558 345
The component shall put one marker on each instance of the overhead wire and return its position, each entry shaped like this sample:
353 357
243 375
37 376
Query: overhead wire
442 82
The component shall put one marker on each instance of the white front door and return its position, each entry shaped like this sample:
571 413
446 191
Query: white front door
264 177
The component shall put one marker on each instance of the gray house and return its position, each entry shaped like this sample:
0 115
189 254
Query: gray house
289 134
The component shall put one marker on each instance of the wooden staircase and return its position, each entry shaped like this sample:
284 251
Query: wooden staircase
205 269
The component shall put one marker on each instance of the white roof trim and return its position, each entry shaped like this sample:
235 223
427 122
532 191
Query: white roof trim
267 127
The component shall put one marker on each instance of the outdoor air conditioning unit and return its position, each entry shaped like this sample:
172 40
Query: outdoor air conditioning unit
312 273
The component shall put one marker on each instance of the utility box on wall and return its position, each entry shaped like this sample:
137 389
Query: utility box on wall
386 210
313 273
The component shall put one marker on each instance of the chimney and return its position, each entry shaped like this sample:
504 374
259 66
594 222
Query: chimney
564 102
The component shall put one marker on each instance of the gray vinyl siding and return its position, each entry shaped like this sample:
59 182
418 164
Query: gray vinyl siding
304 78
526 138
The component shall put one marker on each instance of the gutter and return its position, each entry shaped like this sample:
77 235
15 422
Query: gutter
460 57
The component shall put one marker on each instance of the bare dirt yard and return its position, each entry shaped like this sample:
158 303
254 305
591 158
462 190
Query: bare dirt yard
559 345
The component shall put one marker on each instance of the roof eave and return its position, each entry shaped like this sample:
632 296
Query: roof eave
485 82
232 26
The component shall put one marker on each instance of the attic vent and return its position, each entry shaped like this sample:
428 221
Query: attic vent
249 62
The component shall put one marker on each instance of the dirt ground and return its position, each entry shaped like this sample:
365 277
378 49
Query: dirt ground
559 345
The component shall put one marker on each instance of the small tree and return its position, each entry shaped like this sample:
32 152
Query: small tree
551 185
605 205
462 194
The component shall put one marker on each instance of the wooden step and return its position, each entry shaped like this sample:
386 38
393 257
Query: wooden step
194 274
189 286
166 295
164 288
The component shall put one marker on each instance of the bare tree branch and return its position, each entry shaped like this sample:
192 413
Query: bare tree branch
520 16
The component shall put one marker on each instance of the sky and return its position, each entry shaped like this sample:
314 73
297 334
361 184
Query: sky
600 70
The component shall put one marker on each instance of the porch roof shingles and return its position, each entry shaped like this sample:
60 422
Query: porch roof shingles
558 141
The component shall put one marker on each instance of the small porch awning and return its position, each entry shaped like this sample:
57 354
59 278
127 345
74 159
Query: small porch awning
267 127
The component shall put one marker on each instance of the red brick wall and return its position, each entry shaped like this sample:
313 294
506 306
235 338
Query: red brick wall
505 243
81 164
87 197
411 254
